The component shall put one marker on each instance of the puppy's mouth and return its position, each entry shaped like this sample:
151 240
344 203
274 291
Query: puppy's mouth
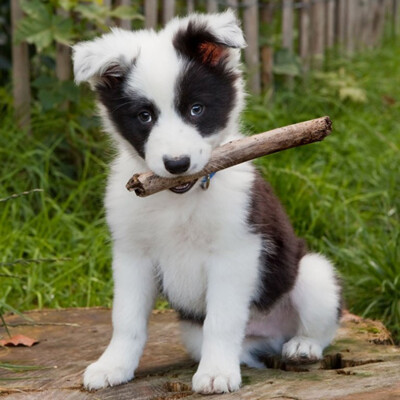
180 189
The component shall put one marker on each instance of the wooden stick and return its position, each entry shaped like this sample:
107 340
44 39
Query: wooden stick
239 151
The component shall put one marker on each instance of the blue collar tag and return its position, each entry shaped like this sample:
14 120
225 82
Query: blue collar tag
205 182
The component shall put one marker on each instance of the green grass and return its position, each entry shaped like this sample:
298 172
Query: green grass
55 241
342 195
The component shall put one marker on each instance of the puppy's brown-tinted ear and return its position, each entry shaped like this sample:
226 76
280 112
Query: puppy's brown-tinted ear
212 53
105 60
209 39
112 76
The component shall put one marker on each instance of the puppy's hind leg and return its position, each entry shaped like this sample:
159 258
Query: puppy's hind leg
316 297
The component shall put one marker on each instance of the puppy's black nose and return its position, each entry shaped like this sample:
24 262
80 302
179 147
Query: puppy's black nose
176 165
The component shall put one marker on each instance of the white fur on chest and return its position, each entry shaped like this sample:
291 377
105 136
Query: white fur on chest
180 249
180 233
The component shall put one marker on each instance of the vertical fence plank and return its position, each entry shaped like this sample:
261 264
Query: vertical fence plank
63 56
150 13
233 4
304 34
359 25
190 6
108 4
63 62
350 29
317 33
365 23
330 23
341 22
379 21
374 11
374 22
389 8
63 67
361 20
20 73
287 25
168 10
267 51
356 23
212 6
287 32
250 26
125 23
396 18
388 13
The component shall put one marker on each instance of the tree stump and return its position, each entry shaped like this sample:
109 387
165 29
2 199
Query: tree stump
362 363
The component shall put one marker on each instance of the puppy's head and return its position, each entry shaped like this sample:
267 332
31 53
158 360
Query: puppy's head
169 96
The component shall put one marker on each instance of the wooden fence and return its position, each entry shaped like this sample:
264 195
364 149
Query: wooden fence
308 28
304 30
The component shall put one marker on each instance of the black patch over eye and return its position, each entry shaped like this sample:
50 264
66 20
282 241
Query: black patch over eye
199 88
133 116
145 117
196 110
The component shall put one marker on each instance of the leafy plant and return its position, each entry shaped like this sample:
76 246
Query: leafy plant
379 285
52 92
286 63
43 25
342 84
47 23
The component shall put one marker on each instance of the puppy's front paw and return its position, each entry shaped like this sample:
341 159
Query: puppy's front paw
101 374
301 350
207 383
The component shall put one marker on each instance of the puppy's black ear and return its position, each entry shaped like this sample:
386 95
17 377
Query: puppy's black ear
209 39
104 61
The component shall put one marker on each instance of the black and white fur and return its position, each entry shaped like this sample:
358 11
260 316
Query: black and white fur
226 258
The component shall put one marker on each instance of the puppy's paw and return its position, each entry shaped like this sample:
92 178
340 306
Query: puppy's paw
101 374
301 350
207 383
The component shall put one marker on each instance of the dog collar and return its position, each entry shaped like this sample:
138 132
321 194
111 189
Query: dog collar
205 182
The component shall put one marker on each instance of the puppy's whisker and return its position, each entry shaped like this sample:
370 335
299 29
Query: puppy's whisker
119 107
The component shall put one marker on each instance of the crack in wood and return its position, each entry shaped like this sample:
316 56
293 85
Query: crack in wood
177 387
173 396
336 361
14 325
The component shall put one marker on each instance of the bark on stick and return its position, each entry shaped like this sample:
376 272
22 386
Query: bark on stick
239 151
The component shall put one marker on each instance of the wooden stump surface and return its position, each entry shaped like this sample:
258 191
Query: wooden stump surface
362 363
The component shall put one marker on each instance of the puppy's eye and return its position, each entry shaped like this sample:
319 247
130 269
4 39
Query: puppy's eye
196 110
145 117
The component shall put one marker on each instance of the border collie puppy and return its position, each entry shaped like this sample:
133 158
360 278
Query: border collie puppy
226 258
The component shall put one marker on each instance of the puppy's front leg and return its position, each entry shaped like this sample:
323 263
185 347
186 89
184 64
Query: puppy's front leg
231 283
134 292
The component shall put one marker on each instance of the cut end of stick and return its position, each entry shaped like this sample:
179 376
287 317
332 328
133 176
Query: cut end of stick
328 126
135 185
328 122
